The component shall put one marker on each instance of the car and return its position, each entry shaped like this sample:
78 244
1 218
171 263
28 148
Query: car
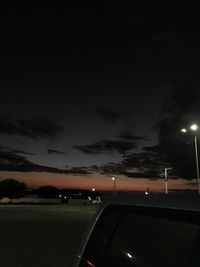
95 201
143 231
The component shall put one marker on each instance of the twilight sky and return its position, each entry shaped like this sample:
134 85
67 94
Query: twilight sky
91 93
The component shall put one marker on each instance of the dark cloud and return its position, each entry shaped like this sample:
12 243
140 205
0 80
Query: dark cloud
126 135
107 147
126 142
15 151
144 159
109 168
179 111
33 128
109 115
10 161
146 164
79 171
174 148
53 151
7 127
40 128
18 151
135 167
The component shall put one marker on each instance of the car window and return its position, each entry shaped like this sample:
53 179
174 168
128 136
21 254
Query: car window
99 238
149 241
130 236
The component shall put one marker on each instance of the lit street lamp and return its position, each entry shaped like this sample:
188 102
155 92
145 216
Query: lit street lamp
183 130
114 179
194 128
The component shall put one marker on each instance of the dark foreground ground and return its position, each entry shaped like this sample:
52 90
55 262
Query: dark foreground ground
39 236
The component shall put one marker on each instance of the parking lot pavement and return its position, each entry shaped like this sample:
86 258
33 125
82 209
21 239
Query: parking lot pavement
42 235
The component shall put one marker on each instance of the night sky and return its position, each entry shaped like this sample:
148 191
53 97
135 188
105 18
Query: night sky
91 93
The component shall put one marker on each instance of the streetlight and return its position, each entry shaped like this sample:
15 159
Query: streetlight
194 128
183 130
93 189
114 179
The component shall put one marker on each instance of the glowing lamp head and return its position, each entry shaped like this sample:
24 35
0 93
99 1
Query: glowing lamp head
194 127
129 256
183 130
113 178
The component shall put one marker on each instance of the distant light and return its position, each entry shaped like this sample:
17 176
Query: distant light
60 195
93 189
113 178
129 255
183 130
146 193
194 127
65 197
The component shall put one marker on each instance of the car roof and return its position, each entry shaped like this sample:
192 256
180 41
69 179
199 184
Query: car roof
181 202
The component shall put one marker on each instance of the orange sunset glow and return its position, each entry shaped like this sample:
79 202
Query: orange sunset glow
97 181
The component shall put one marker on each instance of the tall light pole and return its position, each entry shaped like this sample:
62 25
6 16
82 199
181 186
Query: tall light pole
194 128
114 179
166 180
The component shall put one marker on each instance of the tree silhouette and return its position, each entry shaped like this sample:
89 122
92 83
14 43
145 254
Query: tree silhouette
12 188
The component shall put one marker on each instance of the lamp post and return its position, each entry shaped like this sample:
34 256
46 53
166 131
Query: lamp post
194 128
114 179
166 180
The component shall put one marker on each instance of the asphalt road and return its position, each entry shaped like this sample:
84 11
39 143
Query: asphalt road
43 235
